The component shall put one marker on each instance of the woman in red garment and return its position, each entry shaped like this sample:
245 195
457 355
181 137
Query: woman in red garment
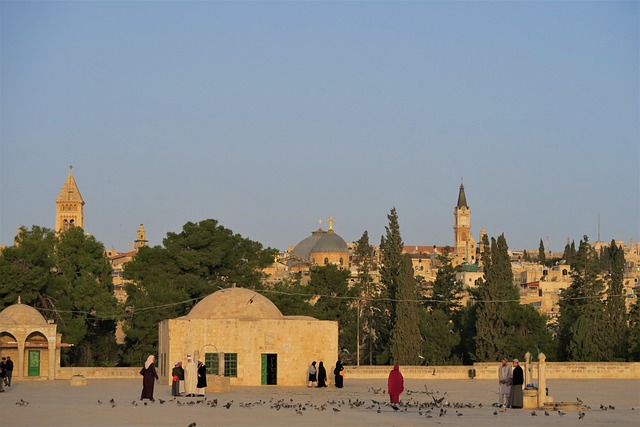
395 384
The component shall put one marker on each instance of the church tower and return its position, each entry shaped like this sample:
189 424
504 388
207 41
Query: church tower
69 205
142 238
462 229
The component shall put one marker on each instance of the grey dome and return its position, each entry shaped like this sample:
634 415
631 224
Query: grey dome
330 242
303 249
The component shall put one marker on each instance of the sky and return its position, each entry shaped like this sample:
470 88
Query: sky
271 116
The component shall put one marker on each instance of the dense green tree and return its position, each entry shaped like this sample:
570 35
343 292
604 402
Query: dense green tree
406 341
634 331
496 298
166 281
363 258
439 338
569 252
583 299
67 277
334 300
447 290
290 297
542 257
525 256
391 251
616 301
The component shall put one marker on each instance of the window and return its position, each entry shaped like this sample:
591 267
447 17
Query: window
326 261
212 363
231 365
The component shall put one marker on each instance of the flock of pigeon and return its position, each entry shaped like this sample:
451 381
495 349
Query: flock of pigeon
435 405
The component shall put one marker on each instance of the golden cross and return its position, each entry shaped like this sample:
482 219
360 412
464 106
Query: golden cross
331 221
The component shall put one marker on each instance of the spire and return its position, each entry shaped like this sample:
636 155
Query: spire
69 191
462 198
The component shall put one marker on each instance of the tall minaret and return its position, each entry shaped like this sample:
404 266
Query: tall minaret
69 205
142 238
462 226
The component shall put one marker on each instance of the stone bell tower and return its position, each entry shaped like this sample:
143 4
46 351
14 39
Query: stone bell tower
69 205
464 243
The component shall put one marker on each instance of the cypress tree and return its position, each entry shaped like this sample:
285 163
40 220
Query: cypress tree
616 301
542 257
405 336
363 259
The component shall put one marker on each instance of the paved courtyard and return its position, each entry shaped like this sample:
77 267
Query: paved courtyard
56 403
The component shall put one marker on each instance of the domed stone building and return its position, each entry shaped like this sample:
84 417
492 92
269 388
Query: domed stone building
240 334
30 341
321 248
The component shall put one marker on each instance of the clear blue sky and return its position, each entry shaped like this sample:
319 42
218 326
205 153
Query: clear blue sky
268 116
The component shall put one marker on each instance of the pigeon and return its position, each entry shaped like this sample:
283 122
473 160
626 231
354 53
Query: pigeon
193 424
161 401
562 414
395 408
534 414
546 414
99 402
495 412
580 415
335 409
228 404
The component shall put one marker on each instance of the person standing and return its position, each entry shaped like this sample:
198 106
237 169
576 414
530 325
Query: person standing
395 384
2 373
8 367
515 398
190 377
338 372
202 378
504 383
322 376
313 374
178 374
148 379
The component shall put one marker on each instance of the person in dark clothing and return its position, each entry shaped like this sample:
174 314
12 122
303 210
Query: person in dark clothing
178 374
515 398
322 375
148 379
3 372
313 374
202 378
338 372
8 368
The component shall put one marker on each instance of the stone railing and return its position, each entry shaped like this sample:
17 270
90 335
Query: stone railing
484 371
98 373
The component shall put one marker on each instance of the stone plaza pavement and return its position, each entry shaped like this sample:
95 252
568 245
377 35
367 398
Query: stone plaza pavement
56 403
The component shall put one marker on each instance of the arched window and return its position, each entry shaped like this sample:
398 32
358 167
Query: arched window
326 261
341 261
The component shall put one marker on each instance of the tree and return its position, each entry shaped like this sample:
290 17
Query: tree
542 258
616 301
447 290
391 251
406 341
583 298
496 297
634 331
166 281
333 300
363 258
569 252
67 277
439 338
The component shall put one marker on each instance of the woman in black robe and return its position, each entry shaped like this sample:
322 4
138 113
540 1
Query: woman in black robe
322 376
202 378
515 398
148 379
338 373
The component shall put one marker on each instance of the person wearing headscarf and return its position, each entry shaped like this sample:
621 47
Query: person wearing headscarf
504 383
395 384
517 379
148 379
190 377
338 372
313 374
202 378
178 374
322 375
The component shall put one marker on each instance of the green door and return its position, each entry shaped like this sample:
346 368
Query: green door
264 369
34 363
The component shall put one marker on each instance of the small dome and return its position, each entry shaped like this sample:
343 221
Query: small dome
330 242
235 303
20 314
303 249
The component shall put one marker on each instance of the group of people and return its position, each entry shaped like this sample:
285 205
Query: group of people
6 372
510 380
318 376
193 376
